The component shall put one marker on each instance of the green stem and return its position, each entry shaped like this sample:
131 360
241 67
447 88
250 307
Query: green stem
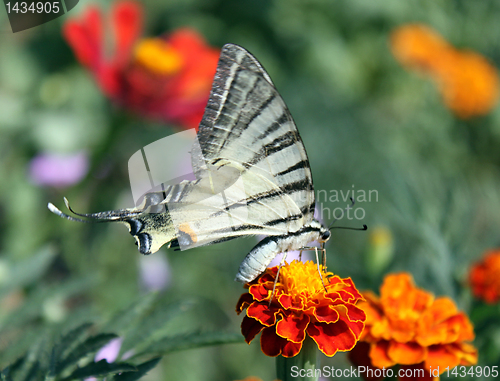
301 367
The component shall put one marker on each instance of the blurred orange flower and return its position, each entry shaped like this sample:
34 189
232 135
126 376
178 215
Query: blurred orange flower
484 277
410 327
301 306
166 78
468 83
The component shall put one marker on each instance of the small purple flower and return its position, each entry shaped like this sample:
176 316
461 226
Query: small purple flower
58 170
110 351
154 272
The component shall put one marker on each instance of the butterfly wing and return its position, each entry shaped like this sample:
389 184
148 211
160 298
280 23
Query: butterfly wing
252 170
248 127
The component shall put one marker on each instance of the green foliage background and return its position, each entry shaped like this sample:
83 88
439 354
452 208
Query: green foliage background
365 121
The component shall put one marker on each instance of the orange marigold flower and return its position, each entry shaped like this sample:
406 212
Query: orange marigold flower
418 47
410 327
484 277
166 78
301 306
468 83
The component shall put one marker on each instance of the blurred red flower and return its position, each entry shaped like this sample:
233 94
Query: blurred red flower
484 277
468 83
300 306
408 326
166 78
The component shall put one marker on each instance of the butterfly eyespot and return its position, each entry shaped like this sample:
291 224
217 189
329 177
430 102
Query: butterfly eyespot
187 234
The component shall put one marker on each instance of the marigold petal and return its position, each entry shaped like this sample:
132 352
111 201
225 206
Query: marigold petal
351 289
285 300
293 328
373 314
356 327
265 314
406 353
396 285
244 301
260 292
359 356
326 314
270 343
440 357
354 313
250 328
379 356
291 349
332 337
432 327
466 352
461 324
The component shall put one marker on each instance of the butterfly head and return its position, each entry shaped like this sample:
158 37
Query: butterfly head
322 231
324 235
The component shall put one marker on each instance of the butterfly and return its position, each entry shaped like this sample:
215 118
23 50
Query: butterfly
252 176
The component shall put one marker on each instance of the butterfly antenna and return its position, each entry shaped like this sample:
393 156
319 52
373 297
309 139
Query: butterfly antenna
348 228
335 218
57 212
116 215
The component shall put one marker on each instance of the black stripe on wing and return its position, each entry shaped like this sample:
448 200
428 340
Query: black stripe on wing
244 112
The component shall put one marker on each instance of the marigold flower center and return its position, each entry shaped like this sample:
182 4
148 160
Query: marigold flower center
299 278
156 55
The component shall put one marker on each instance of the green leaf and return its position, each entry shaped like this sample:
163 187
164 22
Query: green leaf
190 341
151 325
142 369
51 374
99 369
131 315
5 374
32 308
31 364
28 271
90 345
34 371
69 340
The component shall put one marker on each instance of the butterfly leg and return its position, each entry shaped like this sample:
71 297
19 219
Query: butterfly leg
277 277
323 256
319 271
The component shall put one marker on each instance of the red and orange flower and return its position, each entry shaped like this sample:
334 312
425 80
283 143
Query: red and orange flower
468 83
301 306
484 277
410 327
166 78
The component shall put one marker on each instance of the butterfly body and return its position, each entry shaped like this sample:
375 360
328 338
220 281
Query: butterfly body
266 250
252 176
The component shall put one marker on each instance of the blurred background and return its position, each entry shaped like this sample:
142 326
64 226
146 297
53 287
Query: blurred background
419 127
